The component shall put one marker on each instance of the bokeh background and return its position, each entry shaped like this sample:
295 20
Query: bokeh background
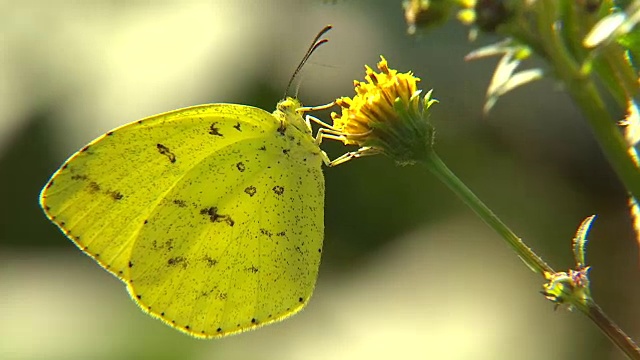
408 271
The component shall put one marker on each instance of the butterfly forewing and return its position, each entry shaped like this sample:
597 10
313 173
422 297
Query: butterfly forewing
103 194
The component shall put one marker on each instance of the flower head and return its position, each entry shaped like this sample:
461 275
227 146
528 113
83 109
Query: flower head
386 115
568 288
485 15
424 14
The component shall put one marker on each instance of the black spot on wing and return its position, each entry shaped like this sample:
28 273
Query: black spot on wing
263 148
178 261
211 262
180 203
213 130
166 152
266 232
115 195
94 187
241 167
250 190
278 190
237 127
165 246
79 177
212 213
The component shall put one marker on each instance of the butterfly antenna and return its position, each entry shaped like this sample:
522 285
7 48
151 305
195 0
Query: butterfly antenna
314 45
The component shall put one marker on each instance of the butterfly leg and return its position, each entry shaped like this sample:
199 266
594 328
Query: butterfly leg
331 134
337 135
327 131
325 158
328 134
363 151
316 108
308 119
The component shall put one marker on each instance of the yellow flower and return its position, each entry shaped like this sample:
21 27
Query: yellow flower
385 115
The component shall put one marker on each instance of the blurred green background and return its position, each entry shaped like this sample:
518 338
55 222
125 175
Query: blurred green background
408 271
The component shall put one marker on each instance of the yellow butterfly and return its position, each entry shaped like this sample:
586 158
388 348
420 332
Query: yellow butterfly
213 215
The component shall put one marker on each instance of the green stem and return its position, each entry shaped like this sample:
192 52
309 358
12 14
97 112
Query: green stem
440 169
591 309
623 72
609 328
584 92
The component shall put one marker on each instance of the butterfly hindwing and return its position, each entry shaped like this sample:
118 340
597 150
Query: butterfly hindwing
238 242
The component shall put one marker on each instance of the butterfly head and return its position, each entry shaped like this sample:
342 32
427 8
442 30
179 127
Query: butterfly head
289 111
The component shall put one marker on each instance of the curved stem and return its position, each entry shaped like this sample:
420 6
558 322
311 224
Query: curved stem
438 167
584 92
535 263
624 74
609 328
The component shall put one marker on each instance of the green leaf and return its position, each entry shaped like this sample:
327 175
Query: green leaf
579 243
613 26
